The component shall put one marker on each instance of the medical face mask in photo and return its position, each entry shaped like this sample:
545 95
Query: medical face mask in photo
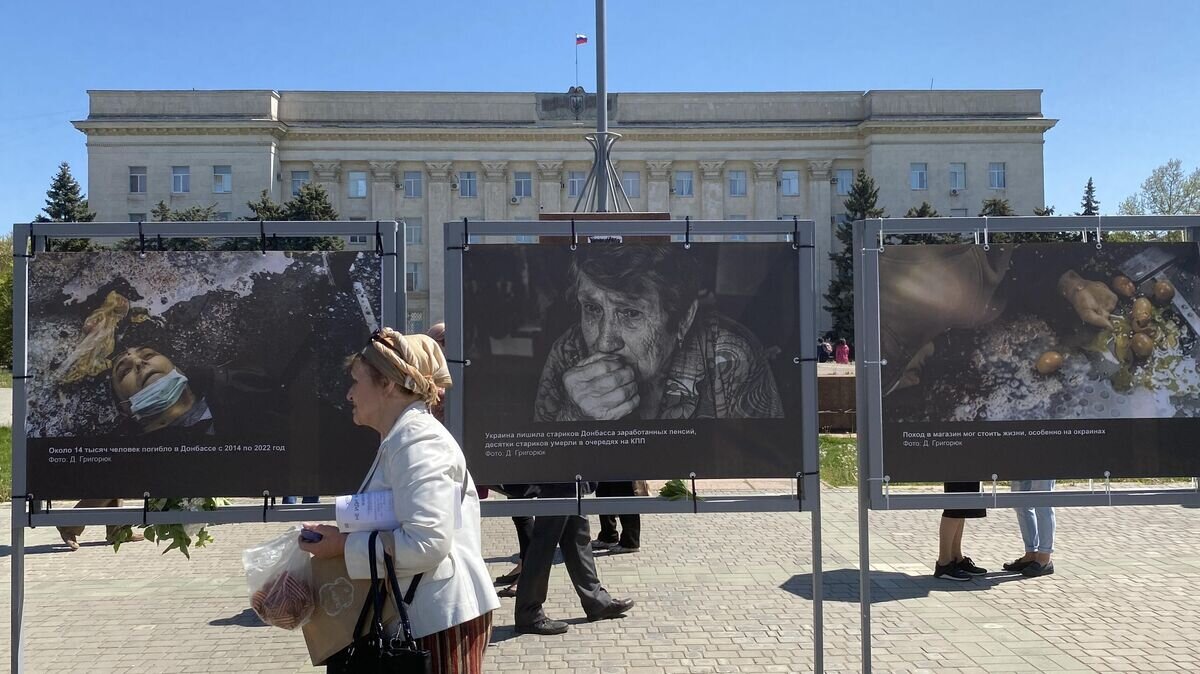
158 397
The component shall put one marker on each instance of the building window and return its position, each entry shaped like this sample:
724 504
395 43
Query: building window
958 212
416 322
958 176
358 184
224 216
137 179
358 239
683 183
737 183
299 179
845 178
575 182
412 232
137 217
632 182
918 177
181 179
222 179
412 184
996 179
466 184
412 277
789 183
522 184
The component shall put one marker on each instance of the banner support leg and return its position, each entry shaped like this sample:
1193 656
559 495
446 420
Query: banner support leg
18 584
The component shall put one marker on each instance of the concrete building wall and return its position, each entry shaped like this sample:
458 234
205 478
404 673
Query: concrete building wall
265 135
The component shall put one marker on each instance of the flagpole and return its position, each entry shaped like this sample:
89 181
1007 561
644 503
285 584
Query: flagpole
576 60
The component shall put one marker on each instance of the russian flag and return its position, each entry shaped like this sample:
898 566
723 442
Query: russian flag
580 38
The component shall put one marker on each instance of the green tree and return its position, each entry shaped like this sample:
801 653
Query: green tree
860 204
65 202
1043 211
164 213
311 204
6 298
995 208
1168 191
925 210
1090 204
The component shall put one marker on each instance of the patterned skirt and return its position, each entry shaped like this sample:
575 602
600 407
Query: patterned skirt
459 650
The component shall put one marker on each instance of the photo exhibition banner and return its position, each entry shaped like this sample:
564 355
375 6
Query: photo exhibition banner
631 361
1039 361
188 374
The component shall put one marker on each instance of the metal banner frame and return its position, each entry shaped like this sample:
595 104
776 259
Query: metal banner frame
460 237
870 241
29 512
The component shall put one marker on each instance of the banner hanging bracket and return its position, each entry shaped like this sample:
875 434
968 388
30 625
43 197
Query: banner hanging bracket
1099 241
262 237
1108 486
579 495
795 232
141 240
145 507
995 499
574 236
687 232
268 503
695 497
880 248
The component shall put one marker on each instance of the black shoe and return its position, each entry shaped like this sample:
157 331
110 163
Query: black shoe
601 545
1036 569
544 626
1018 565
615 609
968 567
950 571
508 578
619 549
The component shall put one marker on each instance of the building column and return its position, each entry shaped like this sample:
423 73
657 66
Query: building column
383 190
821 211
550 186
495 196
438 202
658 186
328 174
766 190
712 204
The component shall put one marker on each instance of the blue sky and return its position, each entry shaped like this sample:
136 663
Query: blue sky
1124 82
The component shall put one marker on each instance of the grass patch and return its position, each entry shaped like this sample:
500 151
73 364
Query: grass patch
5 463
5 377
839 460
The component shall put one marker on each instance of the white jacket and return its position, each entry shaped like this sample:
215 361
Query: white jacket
439 531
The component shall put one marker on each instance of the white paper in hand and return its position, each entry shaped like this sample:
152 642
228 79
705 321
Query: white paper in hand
369 511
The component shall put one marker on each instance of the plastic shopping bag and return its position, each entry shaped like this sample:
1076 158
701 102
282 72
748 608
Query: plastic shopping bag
279 578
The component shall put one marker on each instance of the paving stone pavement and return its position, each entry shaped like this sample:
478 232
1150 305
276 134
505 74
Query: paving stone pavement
715 593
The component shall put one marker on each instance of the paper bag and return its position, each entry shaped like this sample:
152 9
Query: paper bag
339 601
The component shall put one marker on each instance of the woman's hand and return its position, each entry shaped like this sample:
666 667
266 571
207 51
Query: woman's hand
332 543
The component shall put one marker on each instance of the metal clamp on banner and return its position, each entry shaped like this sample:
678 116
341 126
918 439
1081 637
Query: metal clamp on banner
875 362
579 495
880 248
145 507
160 245
797 360
141 240
1108 486
29 509
800 488
464 363
268 502
687 233
574 236
995 499
795 232
695 498
887 489
262 237
379 242
986 242
1099 243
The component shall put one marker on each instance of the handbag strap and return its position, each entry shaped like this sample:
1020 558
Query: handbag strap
374 600
400 608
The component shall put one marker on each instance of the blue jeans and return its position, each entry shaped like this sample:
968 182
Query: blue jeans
1037 524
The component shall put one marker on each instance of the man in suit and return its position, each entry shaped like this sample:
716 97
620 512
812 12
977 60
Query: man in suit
573 534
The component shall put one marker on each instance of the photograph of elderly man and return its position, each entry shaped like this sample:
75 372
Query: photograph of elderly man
643 348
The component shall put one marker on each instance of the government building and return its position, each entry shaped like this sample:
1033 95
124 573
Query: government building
428 158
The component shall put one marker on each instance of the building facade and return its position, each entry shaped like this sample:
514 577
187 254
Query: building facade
429 158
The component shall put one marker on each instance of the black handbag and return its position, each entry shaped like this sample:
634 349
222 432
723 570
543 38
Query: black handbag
375 651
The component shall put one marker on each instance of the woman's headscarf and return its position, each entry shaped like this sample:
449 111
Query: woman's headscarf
412 361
